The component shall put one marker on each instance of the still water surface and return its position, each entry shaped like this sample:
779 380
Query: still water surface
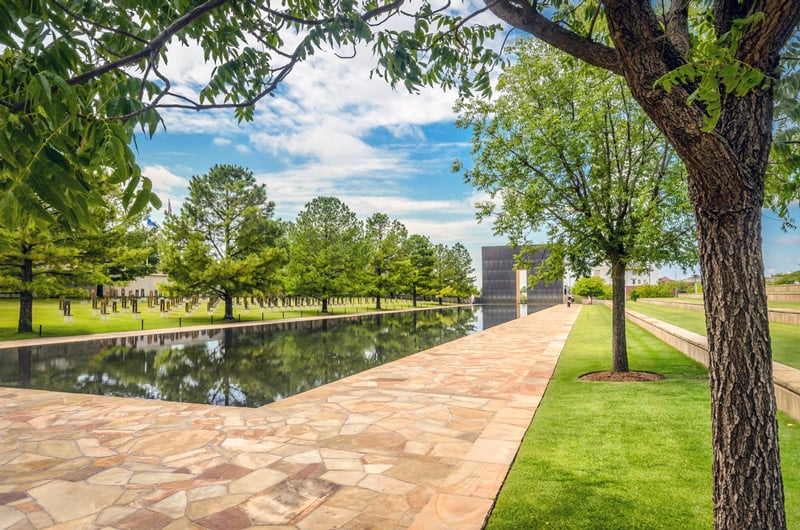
243 366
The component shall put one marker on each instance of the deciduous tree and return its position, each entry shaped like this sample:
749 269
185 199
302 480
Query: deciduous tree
47 256
453 271
38 260
564 149
591 286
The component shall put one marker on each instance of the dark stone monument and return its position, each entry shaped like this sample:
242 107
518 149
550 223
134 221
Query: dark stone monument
501 283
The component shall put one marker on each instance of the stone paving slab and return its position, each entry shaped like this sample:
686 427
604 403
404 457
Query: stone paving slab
424 442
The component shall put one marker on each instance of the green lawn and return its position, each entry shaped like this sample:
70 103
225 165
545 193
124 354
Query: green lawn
622 455
784 305
772 304
46 314
785 337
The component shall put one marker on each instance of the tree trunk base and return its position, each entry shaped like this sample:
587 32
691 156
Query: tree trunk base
622 377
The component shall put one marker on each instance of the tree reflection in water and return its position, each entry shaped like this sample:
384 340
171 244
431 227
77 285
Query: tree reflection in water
249 366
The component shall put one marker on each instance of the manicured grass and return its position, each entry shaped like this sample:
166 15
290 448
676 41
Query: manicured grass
687 319
46 314
771 304
784 305
622 455
785 337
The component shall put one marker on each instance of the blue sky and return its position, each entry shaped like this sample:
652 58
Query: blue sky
334 131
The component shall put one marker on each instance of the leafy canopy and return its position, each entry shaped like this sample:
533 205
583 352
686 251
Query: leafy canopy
327 252
567 155
78 76
224 239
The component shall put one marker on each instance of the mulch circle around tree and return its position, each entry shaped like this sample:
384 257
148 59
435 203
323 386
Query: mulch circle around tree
622 377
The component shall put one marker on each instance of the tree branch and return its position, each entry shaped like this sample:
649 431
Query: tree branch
524 16
676 22
761 45
152 46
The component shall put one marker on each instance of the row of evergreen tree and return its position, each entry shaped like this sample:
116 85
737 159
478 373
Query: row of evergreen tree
225 240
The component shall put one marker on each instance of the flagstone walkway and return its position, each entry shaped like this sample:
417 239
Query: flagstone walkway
424 442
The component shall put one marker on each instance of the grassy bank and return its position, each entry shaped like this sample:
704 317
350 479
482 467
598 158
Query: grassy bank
772 304
47 314
785 337
622 455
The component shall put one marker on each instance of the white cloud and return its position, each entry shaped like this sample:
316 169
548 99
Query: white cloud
406 130
222 141
214 122
164 181
400 207
788 239
170 188
243 149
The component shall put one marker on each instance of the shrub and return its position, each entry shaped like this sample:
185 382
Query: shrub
594 287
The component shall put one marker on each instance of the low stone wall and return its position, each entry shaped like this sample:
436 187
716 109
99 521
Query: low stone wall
786 379
694 296
773 294
787 297
785 316
778 289
780 316
671 302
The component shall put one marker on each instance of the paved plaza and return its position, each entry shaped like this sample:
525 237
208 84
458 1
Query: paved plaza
424 442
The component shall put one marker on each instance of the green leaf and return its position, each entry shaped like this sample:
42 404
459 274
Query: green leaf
130 189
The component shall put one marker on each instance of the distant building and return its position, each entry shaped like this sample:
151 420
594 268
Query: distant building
146 285
632 279
503 282
139 287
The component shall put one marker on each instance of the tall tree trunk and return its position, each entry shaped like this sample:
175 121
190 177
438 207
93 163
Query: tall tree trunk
727 190
744 427
619 344
325 305
414 297
378 301
228 307
25 323
726 184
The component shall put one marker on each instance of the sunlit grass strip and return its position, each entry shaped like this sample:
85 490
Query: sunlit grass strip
785 337
772 304
622 455
46 314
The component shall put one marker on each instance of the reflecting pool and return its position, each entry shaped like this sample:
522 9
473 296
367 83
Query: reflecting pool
242 366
